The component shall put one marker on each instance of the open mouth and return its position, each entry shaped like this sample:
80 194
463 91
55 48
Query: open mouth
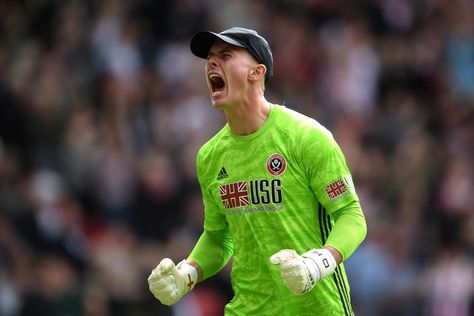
217 83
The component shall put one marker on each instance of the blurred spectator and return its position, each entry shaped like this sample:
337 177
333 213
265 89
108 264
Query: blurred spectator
55 289
448 285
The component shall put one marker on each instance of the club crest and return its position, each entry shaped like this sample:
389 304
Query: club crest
276 164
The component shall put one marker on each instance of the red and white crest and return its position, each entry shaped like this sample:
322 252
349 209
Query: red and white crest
276 164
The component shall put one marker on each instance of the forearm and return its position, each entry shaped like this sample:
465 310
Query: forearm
348 232
211 253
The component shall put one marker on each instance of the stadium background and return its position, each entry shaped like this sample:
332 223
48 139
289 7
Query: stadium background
103 107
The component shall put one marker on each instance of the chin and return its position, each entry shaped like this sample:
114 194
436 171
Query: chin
218 103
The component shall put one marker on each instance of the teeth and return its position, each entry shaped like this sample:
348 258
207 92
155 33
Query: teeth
213 76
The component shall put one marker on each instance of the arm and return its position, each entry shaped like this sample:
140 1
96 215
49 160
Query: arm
329 169
348 232
211 253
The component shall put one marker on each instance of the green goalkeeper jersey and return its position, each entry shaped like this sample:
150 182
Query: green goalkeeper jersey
276 189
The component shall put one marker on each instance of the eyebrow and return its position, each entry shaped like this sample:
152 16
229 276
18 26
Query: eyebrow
220 51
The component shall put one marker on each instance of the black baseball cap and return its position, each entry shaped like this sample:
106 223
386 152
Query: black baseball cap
238 36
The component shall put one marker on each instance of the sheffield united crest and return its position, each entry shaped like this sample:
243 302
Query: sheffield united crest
276 164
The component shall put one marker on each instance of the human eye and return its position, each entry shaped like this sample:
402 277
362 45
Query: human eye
226 54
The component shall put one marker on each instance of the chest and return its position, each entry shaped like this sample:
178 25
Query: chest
257 178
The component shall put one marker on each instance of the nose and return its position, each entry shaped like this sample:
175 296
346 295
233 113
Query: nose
211 61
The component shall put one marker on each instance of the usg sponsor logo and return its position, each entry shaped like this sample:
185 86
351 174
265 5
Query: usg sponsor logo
252 192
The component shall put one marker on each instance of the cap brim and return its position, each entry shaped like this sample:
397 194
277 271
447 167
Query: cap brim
201 42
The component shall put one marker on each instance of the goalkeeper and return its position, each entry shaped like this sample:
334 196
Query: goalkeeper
278 195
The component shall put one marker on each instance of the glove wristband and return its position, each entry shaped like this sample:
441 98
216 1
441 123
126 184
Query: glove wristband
324 261
189 273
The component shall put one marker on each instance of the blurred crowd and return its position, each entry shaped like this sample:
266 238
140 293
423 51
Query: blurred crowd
103 109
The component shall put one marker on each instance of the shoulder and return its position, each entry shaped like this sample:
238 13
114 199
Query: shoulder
298 125
208 149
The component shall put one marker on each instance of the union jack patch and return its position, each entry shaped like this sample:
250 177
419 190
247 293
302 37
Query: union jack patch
234 194
335 189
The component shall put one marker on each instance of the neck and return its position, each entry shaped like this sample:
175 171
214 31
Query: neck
248 116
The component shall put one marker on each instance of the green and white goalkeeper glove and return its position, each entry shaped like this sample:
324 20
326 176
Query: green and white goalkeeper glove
301 272
169 283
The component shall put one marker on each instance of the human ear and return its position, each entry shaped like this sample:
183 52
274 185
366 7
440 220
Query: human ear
258 72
